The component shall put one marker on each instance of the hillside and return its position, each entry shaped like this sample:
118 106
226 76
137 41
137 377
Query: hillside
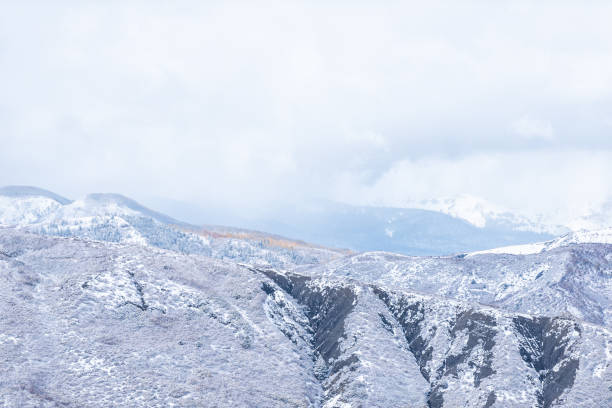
148 327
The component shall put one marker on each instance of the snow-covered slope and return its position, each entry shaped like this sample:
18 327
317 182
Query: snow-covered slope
482 213
23 205
115 218
29 191
574 279
90 323
112 217
596 218
26 210
603 236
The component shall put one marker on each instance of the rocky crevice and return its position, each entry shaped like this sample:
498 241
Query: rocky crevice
547 345
325 309
223 314
480 329
6 254
410 317
142 304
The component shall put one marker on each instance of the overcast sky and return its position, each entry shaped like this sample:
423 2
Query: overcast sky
250 104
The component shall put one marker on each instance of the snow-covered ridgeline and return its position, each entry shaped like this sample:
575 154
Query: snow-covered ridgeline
114 218
602 236
158 328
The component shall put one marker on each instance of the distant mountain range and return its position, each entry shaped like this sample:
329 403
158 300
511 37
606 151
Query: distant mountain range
482 213
407 231
91 323
439 227
115 218
104 302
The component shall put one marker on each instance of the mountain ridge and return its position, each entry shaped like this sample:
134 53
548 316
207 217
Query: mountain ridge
410 231
153 327
29 191
116 218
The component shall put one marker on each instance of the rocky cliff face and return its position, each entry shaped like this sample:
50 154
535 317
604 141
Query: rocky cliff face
451 353
89 323
575 279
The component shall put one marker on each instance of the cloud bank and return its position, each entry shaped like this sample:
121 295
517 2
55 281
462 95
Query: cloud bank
245 107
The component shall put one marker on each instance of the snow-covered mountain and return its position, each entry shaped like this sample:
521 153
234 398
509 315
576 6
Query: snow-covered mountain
603 236
104 302
21 205
29 191
596 218
91 323
482 213
408 231
573 278
115 218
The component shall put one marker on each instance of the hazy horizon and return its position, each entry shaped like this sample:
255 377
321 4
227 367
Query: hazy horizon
244 108
322 204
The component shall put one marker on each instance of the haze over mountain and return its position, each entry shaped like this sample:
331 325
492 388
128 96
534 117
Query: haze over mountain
115 218
382 106
437 226
126 322
294 204
232 311
408 231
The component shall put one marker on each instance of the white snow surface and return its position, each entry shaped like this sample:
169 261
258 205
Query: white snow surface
90 323
20 211
114 218
602 236
106 303
472 209
481 213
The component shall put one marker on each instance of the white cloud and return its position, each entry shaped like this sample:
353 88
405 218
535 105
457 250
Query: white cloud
558 184
529 128
245 105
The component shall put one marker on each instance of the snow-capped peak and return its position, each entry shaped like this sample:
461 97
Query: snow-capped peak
482 213
597 217
602 236
472 209
23 205
108 205
19 211
29 191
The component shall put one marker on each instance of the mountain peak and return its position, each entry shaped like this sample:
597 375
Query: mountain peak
482 213
473 209
30 191
119 200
